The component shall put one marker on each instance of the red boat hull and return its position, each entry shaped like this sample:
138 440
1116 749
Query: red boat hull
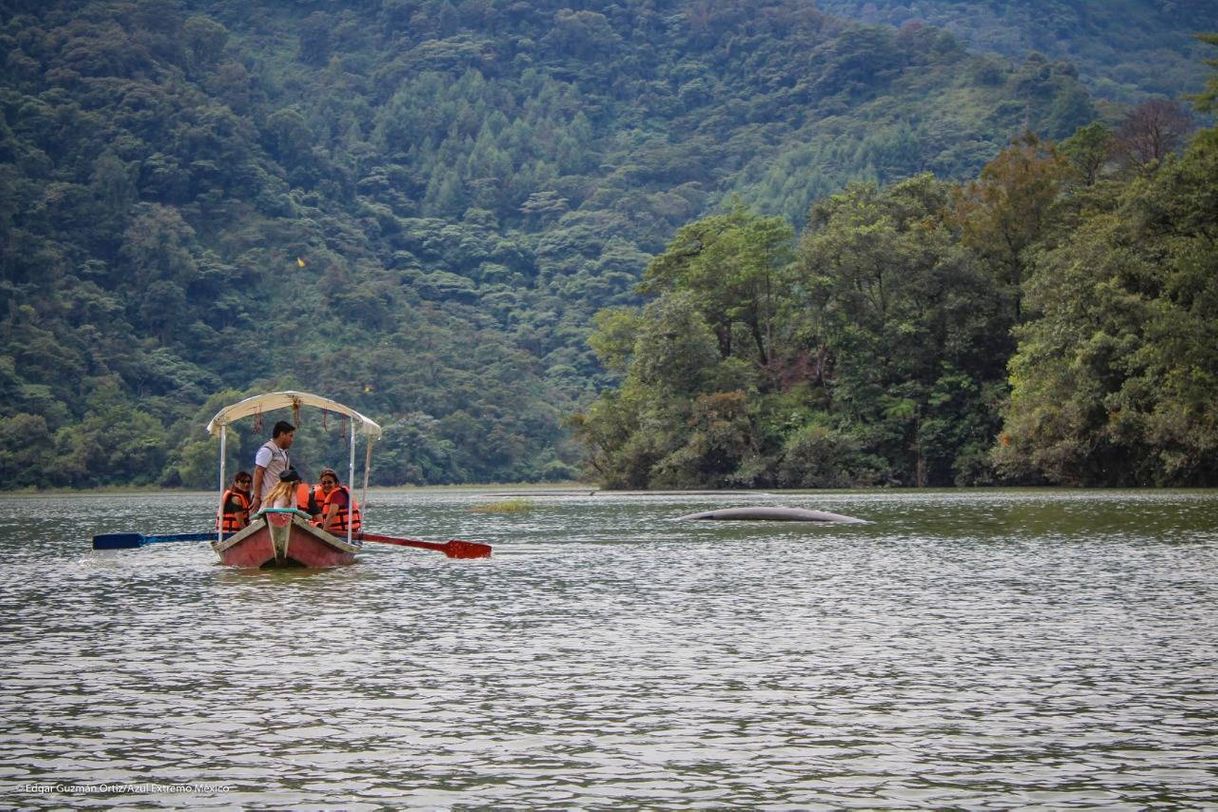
284 540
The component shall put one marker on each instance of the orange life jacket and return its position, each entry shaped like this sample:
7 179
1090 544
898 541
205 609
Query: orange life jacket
233 521
309 498
343 516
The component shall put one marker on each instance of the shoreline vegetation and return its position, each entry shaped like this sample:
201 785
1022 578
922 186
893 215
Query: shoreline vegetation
1050 322
520 497
490 489
505 506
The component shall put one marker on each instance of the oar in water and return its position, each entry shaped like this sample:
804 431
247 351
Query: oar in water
455 548
126 541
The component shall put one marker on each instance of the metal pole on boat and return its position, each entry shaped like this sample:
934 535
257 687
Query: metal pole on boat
363 500
350 482
220 513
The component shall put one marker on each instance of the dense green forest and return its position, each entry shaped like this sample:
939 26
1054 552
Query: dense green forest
1054 320
417 207
1124 49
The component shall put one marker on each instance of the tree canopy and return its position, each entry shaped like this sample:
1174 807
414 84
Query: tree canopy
418 207
1051 321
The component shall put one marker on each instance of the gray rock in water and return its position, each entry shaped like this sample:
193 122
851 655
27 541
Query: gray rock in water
772 514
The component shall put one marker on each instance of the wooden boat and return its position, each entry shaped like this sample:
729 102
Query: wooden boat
283 537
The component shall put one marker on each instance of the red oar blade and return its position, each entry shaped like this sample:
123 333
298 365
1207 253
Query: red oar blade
456 548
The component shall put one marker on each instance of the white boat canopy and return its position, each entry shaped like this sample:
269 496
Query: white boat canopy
294 400
285 400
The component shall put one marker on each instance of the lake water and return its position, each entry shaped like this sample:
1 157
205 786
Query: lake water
972 649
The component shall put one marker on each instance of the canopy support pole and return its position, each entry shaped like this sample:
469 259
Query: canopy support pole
367 471
220 512
351 479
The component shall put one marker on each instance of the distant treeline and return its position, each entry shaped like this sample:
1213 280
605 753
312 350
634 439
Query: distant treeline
1053 321
1117 58
417 206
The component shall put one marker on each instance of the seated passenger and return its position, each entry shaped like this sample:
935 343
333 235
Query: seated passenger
235 504
340 509
309 498
283 495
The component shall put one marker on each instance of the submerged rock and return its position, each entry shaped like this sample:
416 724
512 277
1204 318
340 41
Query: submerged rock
772 514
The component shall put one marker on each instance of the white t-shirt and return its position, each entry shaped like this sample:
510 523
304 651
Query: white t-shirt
275 460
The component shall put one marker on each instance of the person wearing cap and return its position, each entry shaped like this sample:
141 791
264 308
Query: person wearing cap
283 495
271 461
340 508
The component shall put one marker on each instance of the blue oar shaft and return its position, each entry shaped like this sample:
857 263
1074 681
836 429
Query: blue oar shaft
126 541
158 538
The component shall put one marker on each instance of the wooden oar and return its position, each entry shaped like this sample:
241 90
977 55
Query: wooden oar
126 541
455 548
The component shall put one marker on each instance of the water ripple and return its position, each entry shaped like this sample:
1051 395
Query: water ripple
965 649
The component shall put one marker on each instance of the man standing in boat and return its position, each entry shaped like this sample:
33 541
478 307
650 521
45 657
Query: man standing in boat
271 461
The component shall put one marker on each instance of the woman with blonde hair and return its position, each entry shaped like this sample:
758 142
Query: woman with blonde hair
283 495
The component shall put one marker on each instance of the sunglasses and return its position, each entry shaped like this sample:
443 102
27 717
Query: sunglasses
329 482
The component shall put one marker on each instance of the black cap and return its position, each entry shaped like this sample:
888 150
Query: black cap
289 475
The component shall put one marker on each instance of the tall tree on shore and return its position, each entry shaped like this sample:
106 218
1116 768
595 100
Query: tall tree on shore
1116 378
1007 209
915 329
733 264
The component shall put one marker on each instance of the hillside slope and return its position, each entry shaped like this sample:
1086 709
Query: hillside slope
1125 50
412 206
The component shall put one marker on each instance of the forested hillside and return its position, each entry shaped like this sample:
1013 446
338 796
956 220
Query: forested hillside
414 206
1054 320
1124 50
